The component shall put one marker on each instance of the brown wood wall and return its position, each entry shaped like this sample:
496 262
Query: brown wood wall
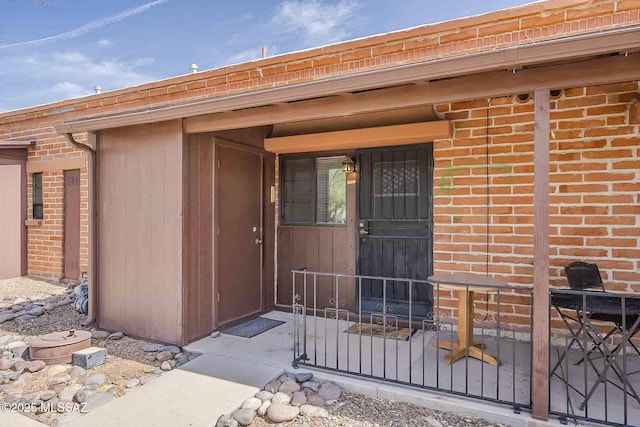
198 251
139 204
322 249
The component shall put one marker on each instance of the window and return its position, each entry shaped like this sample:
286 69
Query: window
313 190
36 179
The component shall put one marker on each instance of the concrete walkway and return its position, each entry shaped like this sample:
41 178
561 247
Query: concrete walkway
196 394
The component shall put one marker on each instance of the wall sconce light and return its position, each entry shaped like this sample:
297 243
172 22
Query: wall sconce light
348 165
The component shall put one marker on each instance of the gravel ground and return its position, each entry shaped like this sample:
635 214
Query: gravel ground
355 410
126 357
27 287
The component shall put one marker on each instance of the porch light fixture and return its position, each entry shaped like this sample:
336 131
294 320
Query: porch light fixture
348 165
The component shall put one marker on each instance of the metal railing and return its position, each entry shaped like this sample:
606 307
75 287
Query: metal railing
595 366
409 345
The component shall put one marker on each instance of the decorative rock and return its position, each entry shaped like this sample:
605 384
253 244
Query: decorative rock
15 344
46 395
262 410
115 336
25 317
273 386
97 379
19 300
304 377
6 364
181 359
330 391
99 335
56 370
215 334
48 306
299 398
316 400
289 387
252 403
164 355
68 392
281 413
150 357
152 347
16 308
36 365
11 376
287 377
20 365
61 379
171 349
6 317
133 382
36 311
313 411
264 395
77 372
312 385
89 357
281 398
244 416
226 421
165 366
432 422
65 301
156 372
82 395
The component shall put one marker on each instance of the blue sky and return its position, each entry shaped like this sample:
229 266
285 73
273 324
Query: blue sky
67 47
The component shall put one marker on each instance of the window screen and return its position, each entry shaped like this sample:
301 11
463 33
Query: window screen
37 195
313 190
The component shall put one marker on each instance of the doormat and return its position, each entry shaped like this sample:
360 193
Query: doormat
368 329
253 327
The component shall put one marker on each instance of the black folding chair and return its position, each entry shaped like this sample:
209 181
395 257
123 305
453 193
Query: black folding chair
583 276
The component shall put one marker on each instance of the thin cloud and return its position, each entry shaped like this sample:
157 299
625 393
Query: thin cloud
93 25
104 42
319 22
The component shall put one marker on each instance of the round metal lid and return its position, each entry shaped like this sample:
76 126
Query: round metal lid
59 339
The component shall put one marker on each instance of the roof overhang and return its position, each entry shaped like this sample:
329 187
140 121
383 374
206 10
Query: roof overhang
618 41
16 144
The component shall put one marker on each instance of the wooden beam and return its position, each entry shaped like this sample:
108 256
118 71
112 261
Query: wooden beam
540 378
358 138
56 165
478 86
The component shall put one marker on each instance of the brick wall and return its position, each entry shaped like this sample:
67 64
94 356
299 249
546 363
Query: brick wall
594 200
517 26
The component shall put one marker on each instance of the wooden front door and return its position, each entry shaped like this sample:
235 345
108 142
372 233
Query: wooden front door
11 221
239 229
72 224
395 228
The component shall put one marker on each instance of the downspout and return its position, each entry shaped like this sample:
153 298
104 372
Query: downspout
91 152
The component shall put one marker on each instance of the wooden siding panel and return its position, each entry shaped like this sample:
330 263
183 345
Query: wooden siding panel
140 231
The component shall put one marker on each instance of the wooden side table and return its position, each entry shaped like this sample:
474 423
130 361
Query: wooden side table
465 285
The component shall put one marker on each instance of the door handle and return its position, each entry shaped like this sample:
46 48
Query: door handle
363 231
258 241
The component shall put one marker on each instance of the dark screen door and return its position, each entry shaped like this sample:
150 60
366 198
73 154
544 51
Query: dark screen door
395 228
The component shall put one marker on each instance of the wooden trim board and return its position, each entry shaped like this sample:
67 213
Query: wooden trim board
56 165
360 138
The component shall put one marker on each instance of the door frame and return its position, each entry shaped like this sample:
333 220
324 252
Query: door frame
226 143
355 231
